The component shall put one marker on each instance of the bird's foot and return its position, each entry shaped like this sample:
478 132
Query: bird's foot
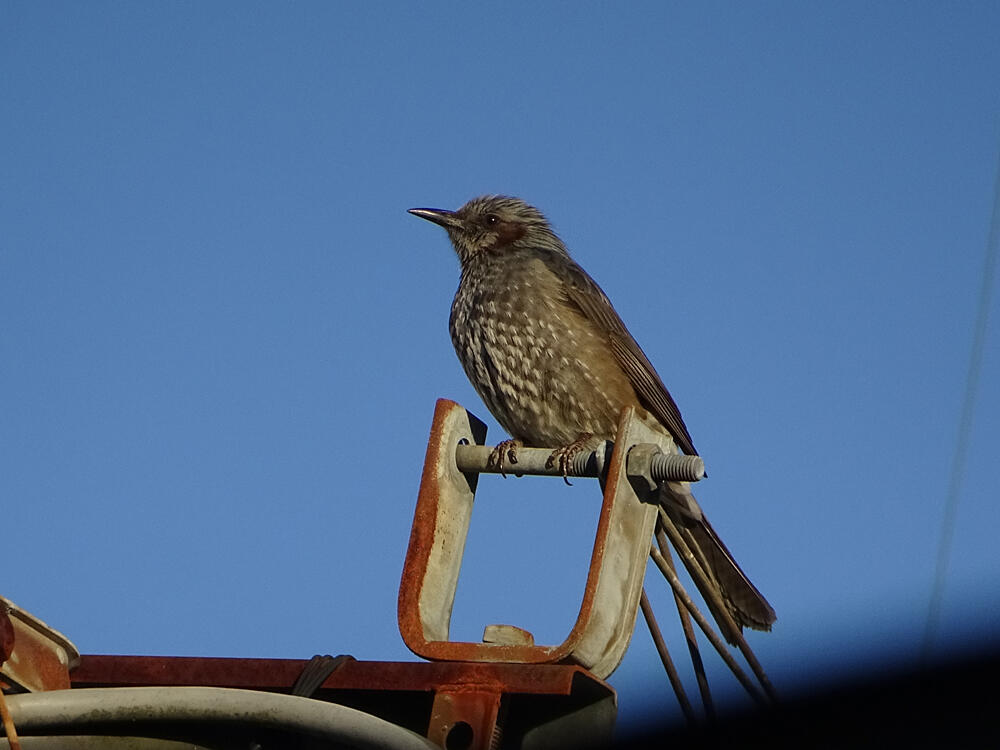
564 456
508 449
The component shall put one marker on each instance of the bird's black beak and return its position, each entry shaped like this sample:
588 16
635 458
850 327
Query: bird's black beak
440 216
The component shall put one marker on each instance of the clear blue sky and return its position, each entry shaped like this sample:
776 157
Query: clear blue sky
216 314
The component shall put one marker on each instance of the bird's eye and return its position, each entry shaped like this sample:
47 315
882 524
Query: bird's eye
491 220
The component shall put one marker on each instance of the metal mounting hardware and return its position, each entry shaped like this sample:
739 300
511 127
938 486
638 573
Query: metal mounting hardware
646 460
607 614
34 656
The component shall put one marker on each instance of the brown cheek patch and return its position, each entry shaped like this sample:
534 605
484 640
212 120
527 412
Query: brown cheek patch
507 234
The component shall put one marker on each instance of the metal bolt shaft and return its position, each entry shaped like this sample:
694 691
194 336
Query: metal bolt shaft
532 461
677 467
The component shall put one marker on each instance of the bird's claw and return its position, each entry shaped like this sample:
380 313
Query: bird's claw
564 456
508 449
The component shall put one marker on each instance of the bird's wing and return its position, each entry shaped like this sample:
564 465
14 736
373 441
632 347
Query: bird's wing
584 293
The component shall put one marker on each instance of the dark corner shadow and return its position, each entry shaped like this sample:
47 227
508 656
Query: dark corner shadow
951 705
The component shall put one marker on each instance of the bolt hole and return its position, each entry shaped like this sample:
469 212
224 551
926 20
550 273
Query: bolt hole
459 737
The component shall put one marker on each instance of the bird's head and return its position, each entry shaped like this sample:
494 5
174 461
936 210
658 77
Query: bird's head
492 224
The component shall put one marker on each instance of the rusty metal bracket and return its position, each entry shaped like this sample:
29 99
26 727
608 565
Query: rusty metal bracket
604 626
36 657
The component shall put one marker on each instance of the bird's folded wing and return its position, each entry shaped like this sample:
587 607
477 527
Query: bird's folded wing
584 293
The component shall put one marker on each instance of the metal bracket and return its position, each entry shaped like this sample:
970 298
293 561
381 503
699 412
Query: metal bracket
33 656
607 615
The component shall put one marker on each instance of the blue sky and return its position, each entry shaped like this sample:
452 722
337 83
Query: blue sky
218 318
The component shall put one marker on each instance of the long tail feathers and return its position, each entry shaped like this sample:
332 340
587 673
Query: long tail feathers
744 603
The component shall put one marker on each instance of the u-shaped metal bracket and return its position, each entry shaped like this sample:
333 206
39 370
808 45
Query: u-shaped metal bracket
604 626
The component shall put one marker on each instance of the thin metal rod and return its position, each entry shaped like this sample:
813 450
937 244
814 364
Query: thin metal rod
668 663
714 639
8 725
710 589
692 642
698 569
756 667
536 462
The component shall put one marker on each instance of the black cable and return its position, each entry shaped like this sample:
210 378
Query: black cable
964 426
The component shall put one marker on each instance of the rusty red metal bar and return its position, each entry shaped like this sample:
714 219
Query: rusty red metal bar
100 670
451 703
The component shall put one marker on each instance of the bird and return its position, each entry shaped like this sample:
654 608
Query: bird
553 362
